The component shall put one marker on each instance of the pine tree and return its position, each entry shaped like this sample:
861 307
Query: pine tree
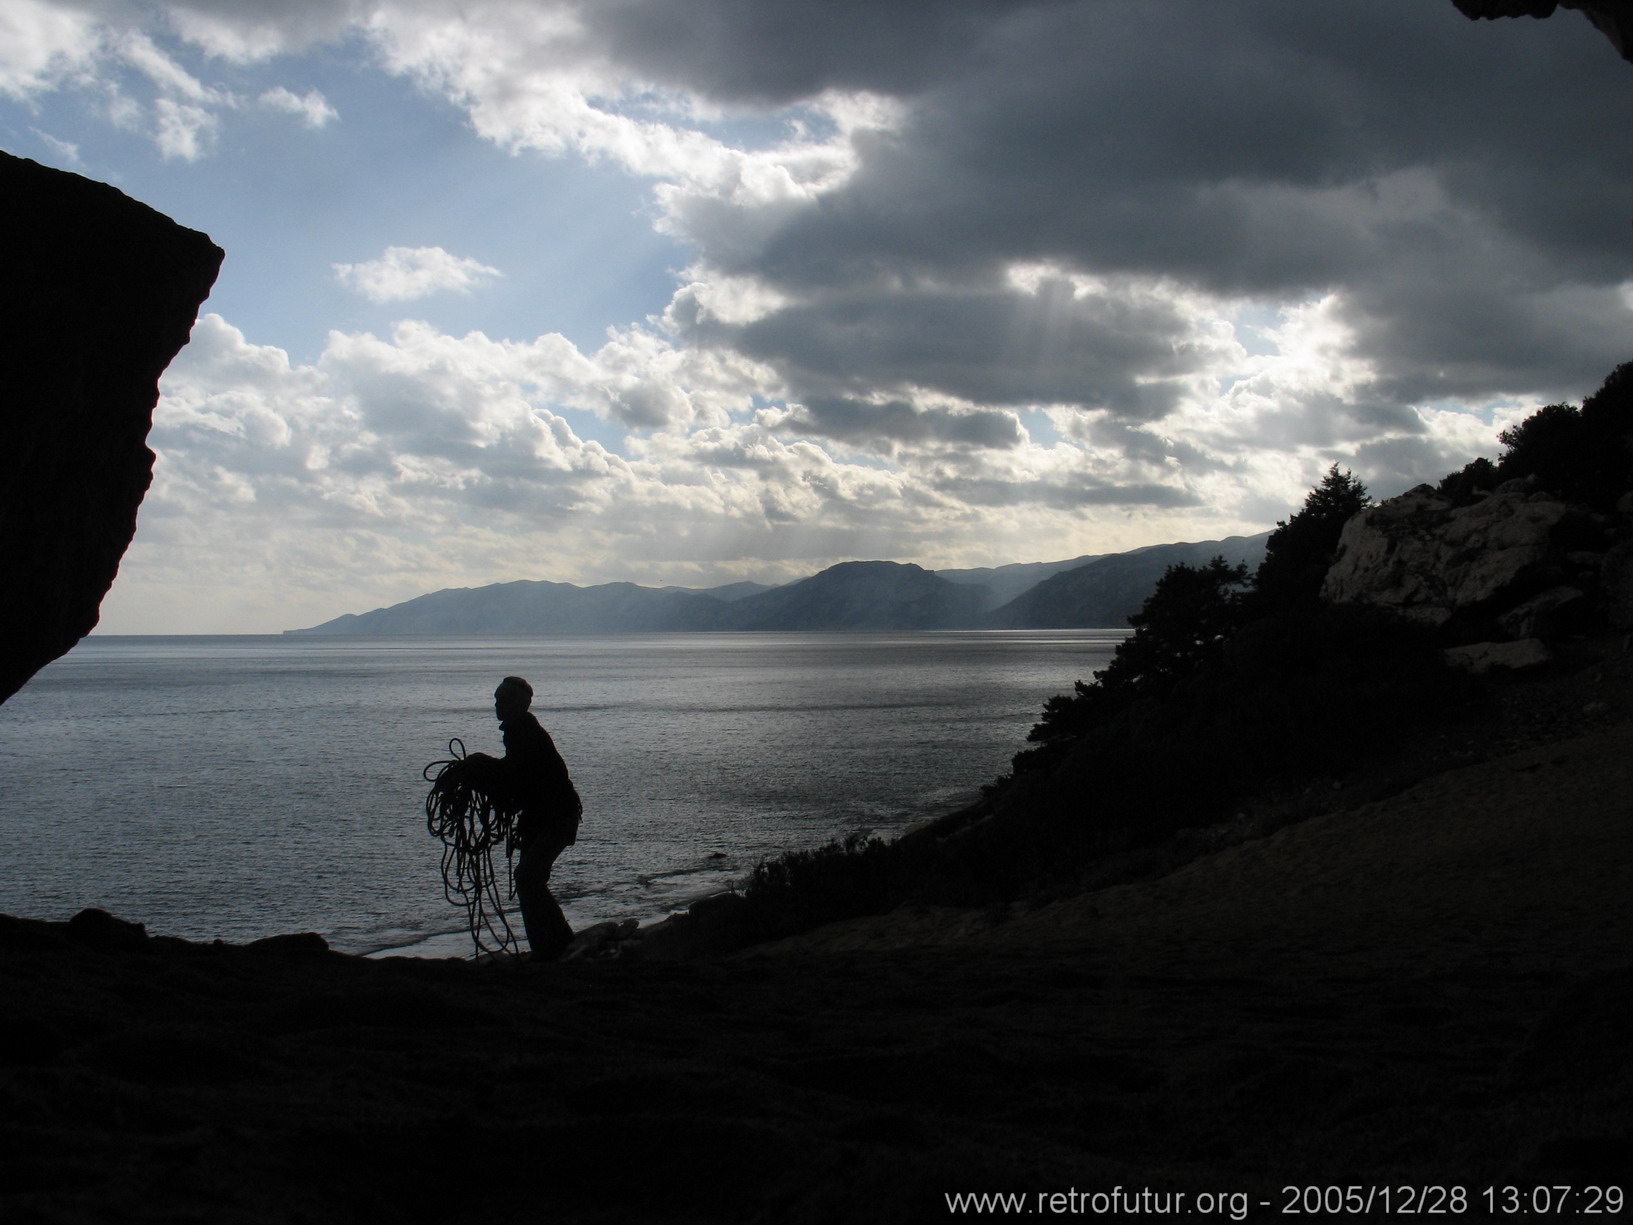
1182 625
1301 549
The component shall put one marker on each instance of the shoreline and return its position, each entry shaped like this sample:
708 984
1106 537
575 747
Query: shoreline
454 945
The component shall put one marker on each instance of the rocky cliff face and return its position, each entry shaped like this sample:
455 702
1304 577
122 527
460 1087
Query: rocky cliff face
1518 566
100 293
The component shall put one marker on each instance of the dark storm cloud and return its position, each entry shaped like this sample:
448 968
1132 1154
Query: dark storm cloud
899 422
772 54
1266 149
1210 141
996 346
1477 331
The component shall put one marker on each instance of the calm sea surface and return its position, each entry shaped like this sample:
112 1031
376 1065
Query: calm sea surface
240 787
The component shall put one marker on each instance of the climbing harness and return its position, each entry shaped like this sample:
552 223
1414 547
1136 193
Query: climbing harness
468 810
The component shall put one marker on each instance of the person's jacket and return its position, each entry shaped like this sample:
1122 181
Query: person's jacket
539 781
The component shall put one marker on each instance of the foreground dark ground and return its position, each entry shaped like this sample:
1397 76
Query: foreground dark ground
1428 990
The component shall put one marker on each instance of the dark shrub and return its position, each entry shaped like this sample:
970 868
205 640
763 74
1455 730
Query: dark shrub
1463 487
1581 454
847 877
1545 446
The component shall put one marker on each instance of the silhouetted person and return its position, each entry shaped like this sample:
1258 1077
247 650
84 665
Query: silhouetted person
548 821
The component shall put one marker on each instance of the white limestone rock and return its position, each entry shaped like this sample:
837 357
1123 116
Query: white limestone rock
1482 657
1418 556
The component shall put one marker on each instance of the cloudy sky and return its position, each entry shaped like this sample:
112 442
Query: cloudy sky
691 292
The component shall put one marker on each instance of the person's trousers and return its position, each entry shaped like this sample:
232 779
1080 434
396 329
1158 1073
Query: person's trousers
548 932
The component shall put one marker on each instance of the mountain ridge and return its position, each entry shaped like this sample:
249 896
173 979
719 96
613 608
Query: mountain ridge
1094 591
1106 590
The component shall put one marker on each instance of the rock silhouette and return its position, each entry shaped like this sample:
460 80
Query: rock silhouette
101 293
1613 18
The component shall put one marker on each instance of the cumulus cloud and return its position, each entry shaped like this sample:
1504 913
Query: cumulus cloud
183 131
437 457
312 108
258 30
43 43
377 436
403 274
130 59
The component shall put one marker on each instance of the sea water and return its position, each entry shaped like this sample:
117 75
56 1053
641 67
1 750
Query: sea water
239 787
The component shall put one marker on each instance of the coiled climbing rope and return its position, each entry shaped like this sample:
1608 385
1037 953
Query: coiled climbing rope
467 809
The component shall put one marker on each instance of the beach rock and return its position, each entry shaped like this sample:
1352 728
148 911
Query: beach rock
1546 614
1419 556
601 940
294 944
1616 585
1482 657
100 930
100 293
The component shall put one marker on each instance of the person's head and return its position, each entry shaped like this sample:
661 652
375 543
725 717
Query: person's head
513 697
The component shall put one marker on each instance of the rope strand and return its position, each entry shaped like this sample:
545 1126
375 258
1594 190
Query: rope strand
467 810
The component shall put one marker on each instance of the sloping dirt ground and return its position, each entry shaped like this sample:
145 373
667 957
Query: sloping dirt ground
1428 992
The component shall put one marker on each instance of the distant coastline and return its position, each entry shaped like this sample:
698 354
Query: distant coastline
1089 592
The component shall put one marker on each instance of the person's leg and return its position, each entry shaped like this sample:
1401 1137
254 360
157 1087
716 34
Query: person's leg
548 932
